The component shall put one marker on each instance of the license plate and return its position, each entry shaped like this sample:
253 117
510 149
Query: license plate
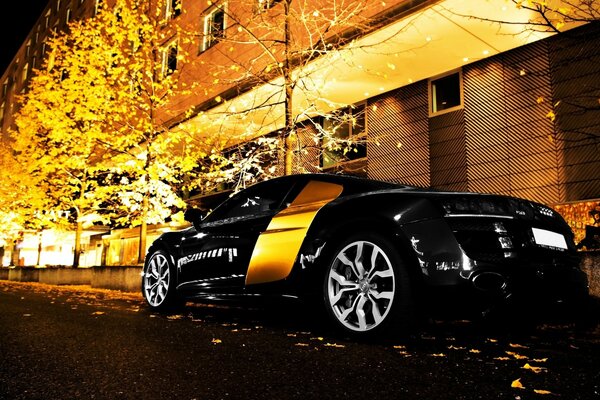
546 238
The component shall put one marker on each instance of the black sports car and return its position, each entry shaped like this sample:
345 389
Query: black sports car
372 251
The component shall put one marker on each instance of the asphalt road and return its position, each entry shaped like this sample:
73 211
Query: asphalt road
79 343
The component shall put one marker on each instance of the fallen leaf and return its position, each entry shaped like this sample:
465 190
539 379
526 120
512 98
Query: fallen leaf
333 345
517 346
399 346
516 356
98 313
451 347
492 340
438 355
475 351
317 338
540 359
501 358
541 391
517 384
174 317
27 315
217 341
291 335
301 344
537 370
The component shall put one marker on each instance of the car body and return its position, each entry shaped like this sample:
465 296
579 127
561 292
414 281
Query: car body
372 252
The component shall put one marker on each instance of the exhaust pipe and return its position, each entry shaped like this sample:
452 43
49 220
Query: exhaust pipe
489 282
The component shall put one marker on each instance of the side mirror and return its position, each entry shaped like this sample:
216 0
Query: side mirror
193 215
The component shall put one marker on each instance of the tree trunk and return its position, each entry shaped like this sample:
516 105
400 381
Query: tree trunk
78 233
143 232
289 92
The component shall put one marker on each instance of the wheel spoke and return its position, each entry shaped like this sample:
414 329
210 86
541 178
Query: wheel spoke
388 273
376 313
358 261
373 260
389 295
343 281
360 313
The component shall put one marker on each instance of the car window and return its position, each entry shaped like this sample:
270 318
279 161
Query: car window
260 199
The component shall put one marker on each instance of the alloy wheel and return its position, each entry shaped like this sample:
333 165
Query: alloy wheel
156 280
361 286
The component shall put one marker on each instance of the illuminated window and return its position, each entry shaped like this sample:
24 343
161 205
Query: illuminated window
348 131
445 93
214 27
169 59
172 8
25 72
263 5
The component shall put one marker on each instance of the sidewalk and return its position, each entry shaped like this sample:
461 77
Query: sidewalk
128 278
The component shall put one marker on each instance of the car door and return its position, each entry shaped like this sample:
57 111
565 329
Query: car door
215 256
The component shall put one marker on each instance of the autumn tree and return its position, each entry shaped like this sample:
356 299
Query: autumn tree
277 51
60 136
93 121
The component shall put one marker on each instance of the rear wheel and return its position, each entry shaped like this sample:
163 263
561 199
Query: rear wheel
158 282
367 289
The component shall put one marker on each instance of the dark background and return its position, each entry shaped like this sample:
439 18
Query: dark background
19 18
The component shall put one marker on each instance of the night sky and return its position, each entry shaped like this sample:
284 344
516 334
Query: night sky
19 18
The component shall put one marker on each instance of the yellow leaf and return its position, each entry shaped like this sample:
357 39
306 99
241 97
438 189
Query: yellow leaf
518 346
551 115
333 345
540 100
501 358
217 341
540 359
517 384
438 355
516 356
475 351
301 344
98 313
537 370
540 391
399 347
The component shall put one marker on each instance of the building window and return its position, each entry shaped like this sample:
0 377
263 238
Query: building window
97 7
214 27
169 59
25 72
172 8
263 5
348 128
445 93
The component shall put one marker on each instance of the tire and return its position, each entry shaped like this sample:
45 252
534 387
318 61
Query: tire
158 282
367 290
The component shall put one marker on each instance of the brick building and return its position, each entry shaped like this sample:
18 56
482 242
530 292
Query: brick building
446 100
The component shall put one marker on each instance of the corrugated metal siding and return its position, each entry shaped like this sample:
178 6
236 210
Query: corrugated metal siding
447 151
575 66
398 147
508 136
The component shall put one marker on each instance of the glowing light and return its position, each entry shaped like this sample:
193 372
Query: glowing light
486 52
465 59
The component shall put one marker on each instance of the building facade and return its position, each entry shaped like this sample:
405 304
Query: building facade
442 100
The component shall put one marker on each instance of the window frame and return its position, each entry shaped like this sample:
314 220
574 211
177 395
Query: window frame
263 6
364 133
165 54
431 100
173 12
207 16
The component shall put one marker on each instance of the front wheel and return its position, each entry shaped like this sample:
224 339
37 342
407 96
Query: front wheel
158 282
367 290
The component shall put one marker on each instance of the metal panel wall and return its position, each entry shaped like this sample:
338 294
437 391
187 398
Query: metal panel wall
575 66
447 151
509 138
398 129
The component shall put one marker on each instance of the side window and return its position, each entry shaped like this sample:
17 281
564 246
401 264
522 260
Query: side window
445 93
260 199
213 27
